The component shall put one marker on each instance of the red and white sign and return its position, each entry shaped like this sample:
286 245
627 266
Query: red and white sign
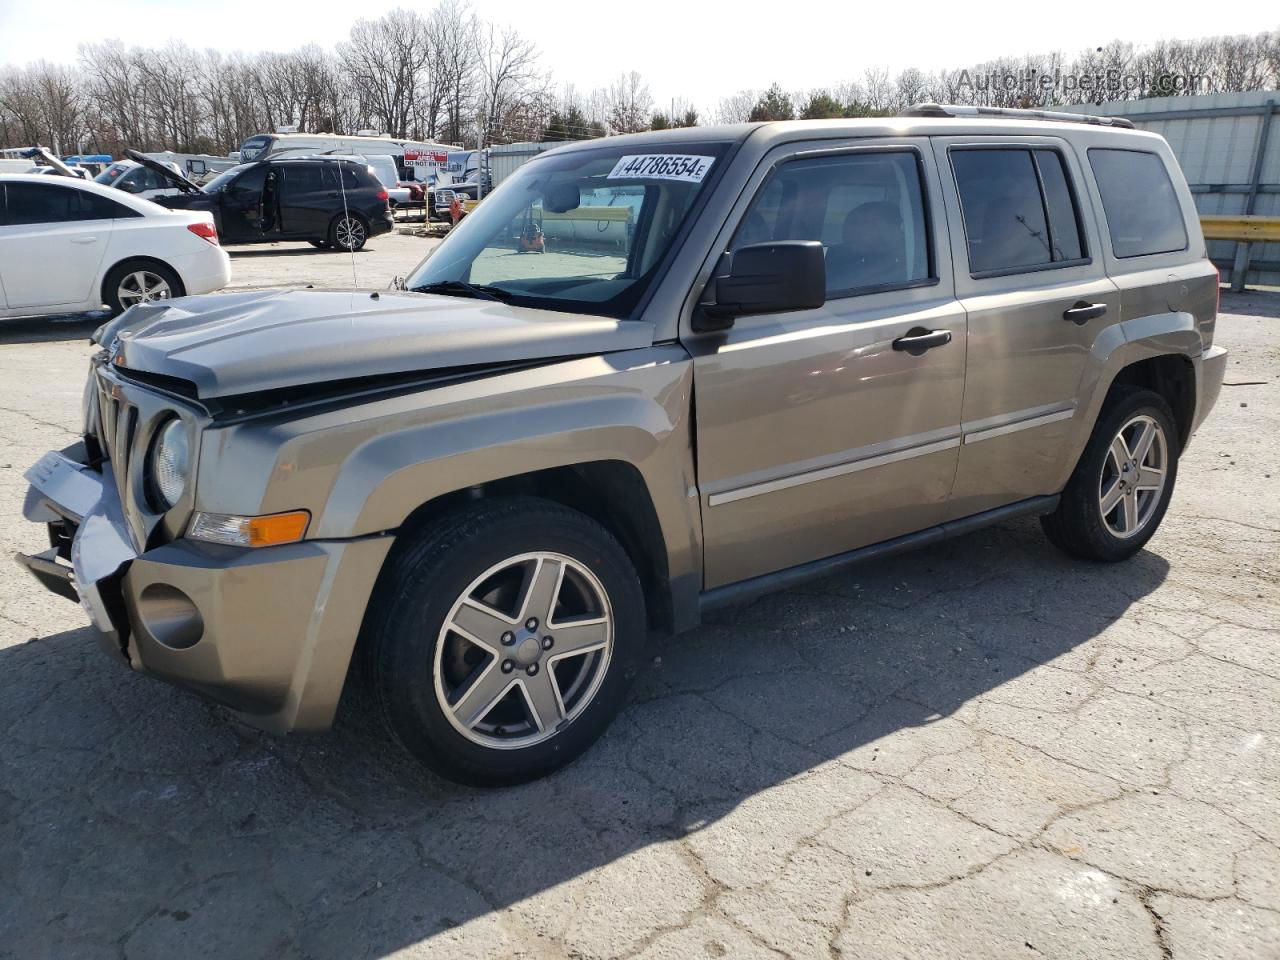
425 158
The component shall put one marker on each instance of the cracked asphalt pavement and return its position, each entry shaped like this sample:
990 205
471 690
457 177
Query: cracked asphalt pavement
979 750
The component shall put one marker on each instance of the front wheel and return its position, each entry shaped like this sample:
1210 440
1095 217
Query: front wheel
348 232
1121 487
503 640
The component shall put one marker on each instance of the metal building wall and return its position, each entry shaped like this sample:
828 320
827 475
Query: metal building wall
1219 141
505 159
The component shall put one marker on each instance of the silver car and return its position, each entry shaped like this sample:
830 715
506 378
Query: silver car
646 377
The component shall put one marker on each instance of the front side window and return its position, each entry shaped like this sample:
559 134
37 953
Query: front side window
1142 208
1018 208
246 188
586 232
223 180
866 209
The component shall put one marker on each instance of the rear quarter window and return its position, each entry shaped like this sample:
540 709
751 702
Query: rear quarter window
1144 216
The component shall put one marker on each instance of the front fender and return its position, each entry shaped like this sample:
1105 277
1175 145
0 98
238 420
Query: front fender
1173 333
364 469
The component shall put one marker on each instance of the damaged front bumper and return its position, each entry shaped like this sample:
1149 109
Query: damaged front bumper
268 632
90 544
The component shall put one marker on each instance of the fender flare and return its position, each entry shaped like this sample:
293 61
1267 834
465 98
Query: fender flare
1121 345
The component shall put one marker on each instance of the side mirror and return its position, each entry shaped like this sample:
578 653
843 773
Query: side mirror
766 278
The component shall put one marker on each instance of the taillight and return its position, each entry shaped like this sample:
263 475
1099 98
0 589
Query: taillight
205 231
384 196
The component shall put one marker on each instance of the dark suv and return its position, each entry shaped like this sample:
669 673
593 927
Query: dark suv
331 203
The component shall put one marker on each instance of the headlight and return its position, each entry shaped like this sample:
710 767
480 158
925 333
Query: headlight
169 464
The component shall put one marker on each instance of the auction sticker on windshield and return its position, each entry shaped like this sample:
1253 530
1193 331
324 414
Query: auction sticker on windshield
662 166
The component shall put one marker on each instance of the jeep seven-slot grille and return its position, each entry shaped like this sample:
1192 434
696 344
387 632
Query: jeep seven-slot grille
117 427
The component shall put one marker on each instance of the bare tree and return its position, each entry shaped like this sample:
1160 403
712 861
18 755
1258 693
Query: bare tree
510 83
630 104
386 58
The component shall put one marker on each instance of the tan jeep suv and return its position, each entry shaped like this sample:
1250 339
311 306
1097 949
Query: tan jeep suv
648 376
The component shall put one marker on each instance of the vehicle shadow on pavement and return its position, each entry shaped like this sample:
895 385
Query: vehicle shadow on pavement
76 326
240 253
138 820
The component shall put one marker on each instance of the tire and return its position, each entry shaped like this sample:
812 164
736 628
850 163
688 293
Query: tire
139 281
1084 525
465 705
321 244
348 232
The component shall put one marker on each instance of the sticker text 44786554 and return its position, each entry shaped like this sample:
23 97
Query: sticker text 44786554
662 166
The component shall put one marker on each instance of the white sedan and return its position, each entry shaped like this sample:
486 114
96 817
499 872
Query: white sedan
68 246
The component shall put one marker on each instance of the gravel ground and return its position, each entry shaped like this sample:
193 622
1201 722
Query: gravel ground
978 750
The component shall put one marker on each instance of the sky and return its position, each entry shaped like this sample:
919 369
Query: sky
698 52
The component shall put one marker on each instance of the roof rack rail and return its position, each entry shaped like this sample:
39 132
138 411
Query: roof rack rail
1010 113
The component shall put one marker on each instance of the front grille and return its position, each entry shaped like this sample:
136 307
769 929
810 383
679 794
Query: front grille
117 428
127 418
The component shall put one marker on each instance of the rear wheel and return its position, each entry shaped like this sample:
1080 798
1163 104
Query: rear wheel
1121 487
348 232
134 282
503 640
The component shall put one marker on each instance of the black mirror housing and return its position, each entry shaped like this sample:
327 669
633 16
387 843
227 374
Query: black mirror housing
775 277
561 198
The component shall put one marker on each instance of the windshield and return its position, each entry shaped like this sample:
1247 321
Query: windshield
251 148
585 232
113 173
219 183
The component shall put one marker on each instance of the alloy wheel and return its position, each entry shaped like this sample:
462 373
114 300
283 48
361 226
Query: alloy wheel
350 233
523 650
1133 476
142 286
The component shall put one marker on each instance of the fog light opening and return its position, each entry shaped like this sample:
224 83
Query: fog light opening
170 617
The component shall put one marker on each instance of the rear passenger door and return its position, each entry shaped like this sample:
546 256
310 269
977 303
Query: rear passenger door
823 430
1037 297
307 198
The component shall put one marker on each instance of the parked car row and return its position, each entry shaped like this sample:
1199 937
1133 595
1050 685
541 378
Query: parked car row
144 231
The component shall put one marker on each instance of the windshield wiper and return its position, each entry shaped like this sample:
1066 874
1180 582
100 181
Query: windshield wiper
455 287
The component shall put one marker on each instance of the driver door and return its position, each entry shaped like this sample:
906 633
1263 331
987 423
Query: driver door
242 207
819 431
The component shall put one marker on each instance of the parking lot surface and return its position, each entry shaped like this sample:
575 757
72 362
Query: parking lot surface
979 750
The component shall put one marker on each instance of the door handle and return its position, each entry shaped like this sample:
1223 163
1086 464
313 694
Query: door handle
918 340
1083 311
84 239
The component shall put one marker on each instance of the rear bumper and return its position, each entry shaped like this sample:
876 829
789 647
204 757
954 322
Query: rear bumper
204 272
382 224
1210 369
268 632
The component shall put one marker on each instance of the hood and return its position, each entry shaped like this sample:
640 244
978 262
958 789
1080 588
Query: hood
173 176
230 344
42 157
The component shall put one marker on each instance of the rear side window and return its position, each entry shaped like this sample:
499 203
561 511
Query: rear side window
301 178
29 203
866 209
1143 213
350 173
1019 210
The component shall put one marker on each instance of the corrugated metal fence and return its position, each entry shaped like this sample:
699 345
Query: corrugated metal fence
504 159
1229 147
